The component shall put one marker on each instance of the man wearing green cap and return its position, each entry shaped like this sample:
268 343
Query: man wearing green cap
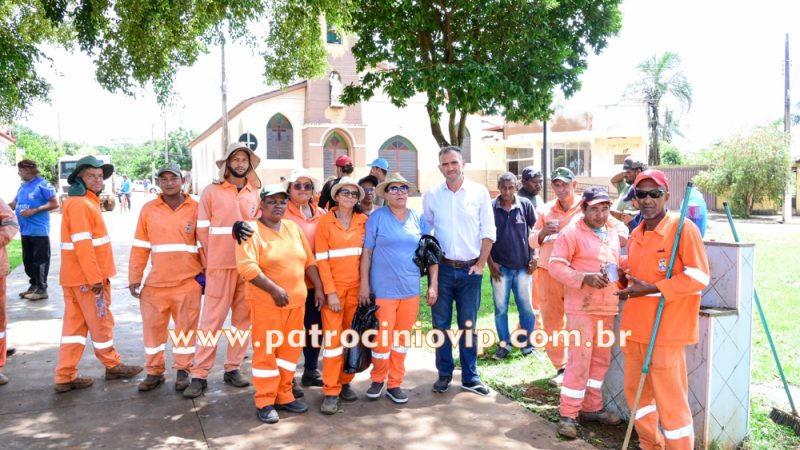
87 263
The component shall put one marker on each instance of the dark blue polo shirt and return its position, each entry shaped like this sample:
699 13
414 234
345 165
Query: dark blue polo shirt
511 248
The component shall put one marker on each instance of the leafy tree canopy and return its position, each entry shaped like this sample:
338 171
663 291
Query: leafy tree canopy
748 169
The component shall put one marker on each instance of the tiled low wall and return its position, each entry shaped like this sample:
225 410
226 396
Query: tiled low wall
718 366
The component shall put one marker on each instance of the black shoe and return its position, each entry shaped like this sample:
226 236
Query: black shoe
397 395
476 387
267 414
10 351
330 405
501 353
311 378
296 407
182 380
150 382
442 384
375 390
196 388
348 394
235 378
297 391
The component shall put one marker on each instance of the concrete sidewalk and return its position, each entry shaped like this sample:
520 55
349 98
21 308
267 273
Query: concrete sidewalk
114 414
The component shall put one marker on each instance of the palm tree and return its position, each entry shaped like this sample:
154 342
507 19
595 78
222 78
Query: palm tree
660 76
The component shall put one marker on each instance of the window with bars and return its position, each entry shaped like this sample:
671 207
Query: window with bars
334 147
279 138
402 157
518 159
574 156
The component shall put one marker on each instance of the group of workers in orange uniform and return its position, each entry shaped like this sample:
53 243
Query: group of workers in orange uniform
291 255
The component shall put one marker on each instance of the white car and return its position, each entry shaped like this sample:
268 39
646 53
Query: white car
138 186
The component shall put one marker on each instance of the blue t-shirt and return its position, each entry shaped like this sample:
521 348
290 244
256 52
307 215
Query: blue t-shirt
33 194
393 274
126 186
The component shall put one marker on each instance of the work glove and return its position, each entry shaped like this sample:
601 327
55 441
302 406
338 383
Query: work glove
241 231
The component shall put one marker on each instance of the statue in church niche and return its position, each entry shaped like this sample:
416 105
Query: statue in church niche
335 81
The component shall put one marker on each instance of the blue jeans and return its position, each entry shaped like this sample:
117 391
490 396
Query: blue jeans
456 284
519 281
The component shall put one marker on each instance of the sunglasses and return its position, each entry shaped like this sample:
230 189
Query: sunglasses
402 189
303 186
348 193
655 193
368 190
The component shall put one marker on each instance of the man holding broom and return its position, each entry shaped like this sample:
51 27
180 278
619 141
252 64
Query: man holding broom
664 397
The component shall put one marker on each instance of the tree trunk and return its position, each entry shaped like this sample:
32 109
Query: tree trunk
436 129
654 159
462 124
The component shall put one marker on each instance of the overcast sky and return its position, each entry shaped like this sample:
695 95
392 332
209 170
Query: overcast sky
732 54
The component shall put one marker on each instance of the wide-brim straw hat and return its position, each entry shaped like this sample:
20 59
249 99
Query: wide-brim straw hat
380 189
347 181
296 174
251 176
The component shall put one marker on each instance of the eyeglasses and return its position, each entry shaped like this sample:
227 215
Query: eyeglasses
348 193
402 189
303 186
655 193
368 190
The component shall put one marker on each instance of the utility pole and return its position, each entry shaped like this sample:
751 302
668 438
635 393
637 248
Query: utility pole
787 128
544 160
153 156
166 146
224 90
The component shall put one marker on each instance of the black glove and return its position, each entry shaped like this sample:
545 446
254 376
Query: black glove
241 231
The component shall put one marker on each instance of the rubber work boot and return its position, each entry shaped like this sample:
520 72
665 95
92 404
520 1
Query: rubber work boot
348 394
311 378
181 380
150 382
235 378
330 405
122 371
602 416
39 294
567 427
297 391
268 414
196 388
77 383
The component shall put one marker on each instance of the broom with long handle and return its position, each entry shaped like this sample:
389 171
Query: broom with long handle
659 311
790 420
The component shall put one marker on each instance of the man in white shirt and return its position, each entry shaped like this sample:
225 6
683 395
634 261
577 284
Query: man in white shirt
460 213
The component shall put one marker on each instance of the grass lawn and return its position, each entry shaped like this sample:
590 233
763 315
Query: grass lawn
14 253
524 379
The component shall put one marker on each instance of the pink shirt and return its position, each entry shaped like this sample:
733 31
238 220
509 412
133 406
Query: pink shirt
578 251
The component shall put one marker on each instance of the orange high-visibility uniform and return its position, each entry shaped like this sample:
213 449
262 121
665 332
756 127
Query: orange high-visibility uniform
283 257
338 254
665 394
86 259
221 204
577 252
168 238
389 356
8 229
551 292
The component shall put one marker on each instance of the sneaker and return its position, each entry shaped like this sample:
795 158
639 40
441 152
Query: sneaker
122 371
27 291
297 391
195 388
150 382
530 351
3 379
182 380
397 395
330 405
567 427
267 414
235 378
39 294
501 353
311 378
348 394
442 384
77 383
476 387
295 406
375 390
602 416
558 379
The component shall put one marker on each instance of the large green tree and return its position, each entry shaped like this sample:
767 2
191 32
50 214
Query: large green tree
660 76
493 57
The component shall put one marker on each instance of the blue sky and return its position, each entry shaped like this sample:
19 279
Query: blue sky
732 54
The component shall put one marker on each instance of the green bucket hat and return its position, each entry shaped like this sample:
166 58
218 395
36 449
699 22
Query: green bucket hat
90 161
